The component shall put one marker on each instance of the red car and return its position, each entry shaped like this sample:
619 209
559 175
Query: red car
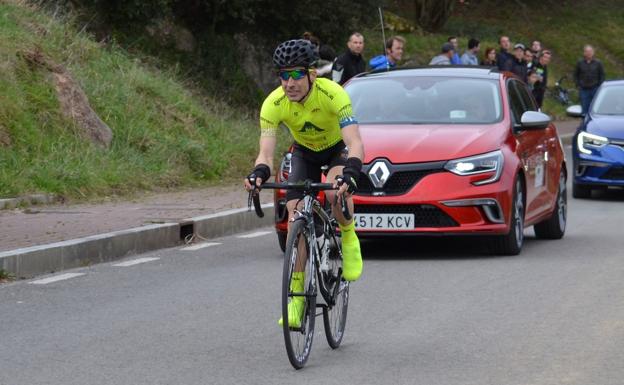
453 150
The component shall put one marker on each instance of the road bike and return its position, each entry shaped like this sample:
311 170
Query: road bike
313 246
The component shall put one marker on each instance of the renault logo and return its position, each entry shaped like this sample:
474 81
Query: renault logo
378 174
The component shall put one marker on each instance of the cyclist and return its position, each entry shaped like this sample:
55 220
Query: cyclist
318 114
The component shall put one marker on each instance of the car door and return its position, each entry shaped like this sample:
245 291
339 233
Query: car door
544 157
531 147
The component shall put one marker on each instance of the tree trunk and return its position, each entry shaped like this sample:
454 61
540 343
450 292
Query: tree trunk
431 15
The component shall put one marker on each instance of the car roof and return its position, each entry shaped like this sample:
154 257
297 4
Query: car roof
454 71
613 83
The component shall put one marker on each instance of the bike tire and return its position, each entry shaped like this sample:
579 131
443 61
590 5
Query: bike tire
298 342
335 317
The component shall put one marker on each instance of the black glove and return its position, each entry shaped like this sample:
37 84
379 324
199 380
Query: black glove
351 174
260 171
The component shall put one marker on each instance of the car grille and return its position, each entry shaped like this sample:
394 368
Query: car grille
424 215
615 173
399 183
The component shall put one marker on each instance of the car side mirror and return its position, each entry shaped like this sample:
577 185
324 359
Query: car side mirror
534 120
575 111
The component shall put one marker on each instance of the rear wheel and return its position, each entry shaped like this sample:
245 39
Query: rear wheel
554 227
581 191
335 318
298 340
511 243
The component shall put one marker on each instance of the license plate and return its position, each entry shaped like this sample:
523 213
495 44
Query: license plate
384 221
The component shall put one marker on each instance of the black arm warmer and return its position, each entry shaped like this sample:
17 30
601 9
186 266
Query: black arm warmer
262 171
351 173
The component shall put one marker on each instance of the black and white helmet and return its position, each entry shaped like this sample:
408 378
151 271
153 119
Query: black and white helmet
295 53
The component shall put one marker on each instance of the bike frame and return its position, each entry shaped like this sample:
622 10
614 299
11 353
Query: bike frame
312 206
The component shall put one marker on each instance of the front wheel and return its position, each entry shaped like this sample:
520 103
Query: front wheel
554 226
335 317
511 243
298 340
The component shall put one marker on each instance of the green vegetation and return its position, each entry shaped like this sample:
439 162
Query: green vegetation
163 134
169 130
5 276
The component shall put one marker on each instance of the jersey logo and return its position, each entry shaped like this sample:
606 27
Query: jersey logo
307 126
316 110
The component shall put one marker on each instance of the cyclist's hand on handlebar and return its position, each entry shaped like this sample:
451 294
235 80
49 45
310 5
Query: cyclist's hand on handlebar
252 178
260 174
345 186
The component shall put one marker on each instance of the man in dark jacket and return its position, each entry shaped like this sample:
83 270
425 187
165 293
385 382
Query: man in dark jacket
518 64
504 58
588 75
350 63
540 69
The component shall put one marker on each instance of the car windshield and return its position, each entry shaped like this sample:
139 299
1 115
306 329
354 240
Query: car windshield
425 100
609 101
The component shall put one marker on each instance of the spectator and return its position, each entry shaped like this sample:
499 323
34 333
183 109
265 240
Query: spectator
529 59
444 58
588 75
504 58
540 69
455 59
350 63
325 52
470 56
518 65
394 53
489 59
536 48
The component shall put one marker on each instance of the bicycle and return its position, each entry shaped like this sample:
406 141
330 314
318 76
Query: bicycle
562 94
312 229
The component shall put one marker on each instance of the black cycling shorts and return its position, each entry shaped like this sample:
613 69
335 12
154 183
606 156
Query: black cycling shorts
306 164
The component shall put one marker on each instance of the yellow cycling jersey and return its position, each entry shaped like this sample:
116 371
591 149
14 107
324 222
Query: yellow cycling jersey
314 124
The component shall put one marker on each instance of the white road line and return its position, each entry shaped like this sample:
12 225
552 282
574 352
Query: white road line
56 278
200 246
253 235
135 262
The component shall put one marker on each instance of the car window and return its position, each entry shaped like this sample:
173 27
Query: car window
609 101
515 101
527 100
425 100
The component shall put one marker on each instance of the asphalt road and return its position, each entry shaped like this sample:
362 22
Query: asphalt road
426 311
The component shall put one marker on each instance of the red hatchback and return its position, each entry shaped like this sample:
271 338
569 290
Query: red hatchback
453 150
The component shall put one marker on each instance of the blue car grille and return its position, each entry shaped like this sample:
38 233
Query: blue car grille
614 173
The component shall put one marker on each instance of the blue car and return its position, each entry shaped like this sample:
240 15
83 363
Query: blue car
598 146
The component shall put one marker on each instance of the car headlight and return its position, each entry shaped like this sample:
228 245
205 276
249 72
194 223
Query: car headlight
479 164
586 141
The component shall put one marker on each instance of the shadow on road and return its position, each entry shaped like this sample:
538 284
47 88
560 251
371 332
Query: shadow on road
607 195
424 247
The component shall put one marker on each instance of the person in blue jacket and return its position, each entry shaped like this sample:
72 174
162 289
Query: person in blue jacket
394 53
455 59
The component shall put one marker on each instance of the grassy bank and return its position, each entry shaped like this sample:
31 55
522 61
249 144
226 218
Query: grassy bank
164 135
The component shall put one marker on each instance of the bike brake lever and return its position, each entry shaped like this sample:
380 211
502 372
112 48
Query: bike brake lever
254 197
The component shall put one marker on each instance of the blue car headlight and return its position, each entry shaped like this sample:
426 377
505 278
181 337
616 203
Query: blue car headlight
586 142
479 164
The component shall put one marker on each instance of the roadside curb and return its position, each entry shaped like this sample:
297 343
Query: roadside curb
43 259
33 199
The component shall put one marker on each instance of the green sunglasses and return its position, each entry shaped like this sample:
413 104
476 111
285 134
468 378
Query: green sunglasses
294 74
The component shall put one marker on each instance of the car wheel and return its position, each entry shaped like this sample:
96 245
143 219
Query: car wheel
281 238
581 191
554 226
511 243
